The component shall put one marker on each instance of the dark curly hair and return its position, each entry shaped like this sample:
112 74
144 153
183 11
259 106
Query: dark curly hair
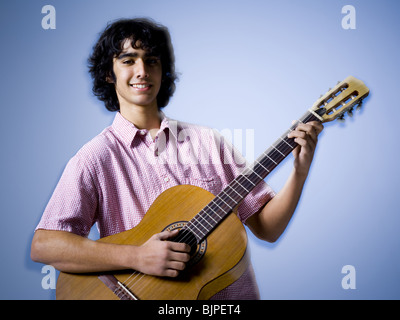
151 37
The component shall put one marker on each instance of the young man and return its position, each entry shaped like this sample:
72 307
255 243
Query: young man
113 179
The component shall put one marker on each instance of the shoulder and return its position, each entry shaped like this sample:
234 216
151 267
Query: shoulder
98 149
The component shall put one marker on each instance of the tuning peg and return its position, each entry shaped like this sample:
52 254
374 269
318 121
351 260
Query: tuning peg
341 118
338 82
350 112
359 104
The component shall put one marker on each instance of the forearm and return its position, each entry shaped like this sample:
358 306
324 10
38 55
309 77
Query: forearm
274 217
69 252
272 220
72 253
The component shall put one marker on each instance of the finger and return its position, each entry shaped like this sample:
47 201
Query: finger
297 133
176 265
173 268
306 132
179 247
318 126
179 256
307 128
305 143
303 139
313 128
170 273
166 234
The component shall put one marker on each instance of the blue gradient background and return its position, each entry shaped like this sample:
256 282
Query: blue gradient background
244 65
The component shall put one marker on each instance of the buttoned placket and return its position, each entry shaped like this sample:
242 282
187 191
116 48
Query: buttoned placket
156 151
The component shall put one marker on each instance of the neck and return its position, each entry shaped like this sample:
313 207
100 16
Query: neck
145 117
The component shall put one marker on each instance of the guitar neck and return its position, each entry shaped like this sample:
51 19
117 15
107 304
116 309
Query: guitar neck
223 204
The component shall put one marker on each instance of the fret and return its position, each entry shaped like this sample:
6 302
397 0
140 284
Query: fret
221 211
194 224
210 216
219 206
284 140
228 194
246 183
258 177
229 186
271 159
265 164
253 171
234 190
255 177
284 149
244 176
279 151
198 225
243 184
204 219
220 198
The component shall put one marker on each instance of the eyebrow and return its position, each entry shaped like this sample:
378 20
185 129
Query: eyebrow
134 55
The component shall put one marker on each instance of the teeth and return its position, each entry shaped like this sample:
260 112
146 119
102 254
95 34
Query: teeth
140 86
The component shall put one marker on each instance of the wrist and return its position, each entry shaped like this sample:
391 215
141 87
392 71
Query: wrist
128 256
300 176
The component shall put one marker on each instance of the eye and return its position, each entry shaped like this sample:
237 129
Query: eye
152 61
128 61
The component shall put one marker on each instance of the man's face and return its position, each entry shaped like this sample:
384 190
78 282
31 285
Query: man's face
138 77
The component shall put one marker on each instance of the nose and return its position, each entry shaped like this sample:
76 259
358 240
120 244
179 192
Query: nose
141 70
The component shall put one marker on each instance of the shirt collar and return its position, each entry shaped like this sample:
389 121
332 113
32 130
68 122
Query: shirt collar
128 131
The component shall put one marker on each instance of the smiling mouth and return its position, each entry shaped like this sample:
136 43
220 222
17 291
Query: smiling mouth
140 85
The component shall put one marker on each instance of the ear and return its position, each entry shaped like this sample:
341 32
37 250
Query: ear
109 79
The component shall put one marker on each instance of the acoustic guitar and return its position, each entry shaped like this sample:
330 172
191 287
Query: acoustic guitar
218 239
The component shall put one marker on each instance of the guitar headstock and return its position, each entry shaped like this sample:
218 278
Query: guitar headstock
346 95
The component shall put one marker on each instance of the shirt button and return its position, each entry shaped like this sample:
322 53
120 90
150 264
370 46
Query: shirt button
166 179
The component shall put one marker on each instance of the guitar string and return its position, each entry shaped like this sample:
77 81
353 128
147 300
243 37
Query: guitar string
189 227
184 238
136 274
209 206
243 184
129 281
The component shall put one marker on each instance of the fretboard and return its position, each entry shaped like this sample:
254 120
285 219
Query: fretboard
223 204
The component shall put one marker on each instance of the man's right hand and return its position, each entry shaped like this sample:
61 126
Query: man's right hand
160 257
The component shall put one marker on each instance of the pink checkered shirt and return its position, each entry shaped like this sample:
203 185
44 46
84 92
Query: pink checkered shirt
113 180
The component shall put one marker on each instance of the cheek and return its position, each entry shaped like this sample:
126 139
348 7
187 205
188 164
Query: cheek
125 74
158 76
122 74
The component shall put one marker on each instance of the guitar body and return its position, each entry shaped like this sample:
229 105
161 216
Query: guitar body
224 259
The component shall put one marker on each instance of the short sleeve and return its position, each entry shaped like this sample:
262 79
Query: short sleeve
73 205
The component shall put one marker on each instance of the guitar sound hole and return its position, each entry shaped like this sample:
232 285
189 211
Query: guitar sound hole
186 236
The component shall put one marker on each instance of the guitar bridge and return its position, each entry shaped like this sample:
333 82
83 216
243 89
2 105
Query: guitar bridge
118 288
